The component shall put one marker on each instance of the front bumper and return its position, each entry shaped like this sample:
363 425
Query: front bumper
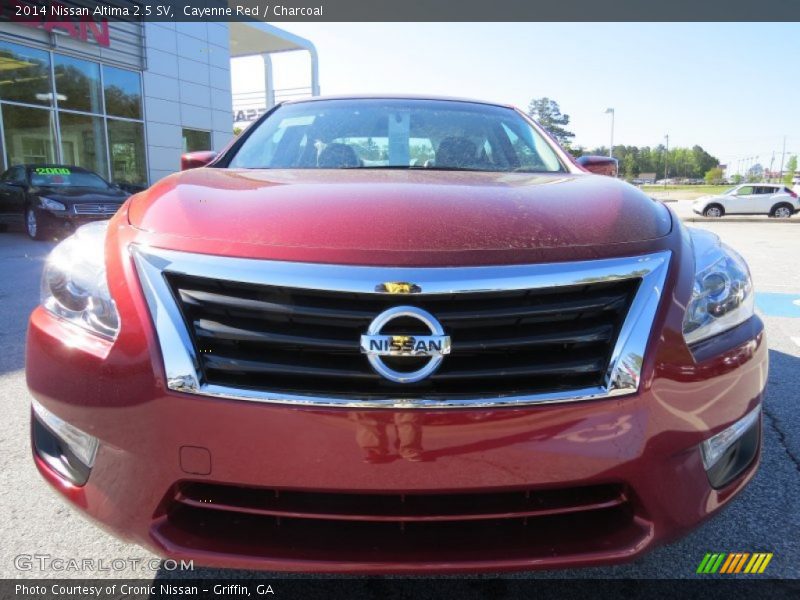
248 485
67 220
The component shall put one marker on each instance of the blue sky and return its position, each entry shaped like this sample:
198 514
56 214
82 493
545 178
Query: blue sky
732 88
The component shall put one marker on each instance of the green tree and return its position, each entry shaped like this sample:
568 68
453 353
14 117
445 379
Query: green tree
791 168
630 168
548 114
577 151
702 161
421 153
714 176
692 162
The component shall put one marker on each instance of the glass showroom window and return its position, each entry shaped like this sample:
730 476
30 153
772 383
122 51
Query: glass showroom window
24 75
98 118
123 93
195 139
126 147
78 84
83 142
29 135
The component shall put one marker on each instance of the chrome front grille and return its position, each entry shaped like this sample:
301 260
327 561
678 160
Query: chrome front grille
307 341
289 332
101 209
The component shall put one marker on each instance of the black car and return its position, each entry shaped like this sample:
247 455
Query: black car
49 199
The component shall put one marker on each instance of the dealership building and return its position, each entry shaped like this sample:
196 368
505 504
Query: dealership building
126 99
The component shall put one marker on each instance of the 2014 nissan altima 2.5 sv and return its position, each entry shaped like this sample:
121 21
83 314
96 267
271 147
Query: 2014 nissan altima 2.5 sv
396 334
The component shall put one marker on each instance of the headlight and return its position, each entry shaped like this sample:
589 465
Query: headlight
51 204
723 292
74 285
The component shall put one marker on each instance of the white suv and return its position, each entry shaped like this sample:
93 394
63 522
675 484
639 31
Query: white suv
773 199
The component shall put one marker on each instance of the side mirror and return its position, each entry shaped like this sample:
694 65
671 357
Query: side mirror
599 165
194 160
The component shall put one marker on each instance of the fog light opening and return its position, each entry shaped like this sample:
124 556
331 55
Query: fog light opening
66 449
727 454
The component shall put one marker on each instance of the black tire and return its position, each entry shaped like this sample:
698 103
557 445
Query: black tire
33 225
781 211
713 211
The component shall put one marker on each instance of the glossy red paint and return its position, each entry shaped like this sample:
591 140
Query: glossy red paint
421 218
599 165
606 471
647 442
195 160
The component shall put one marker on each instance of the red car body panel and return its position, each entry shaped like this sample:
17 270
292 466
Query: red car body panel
154 441
318 215
648 441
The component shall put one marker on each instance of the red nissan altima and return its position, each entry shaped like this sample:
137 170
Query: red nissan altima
396 334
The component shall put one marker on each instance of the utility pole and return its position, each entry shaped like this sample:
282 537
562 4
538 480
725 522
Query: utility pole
771 162
666 159
783 159
611 146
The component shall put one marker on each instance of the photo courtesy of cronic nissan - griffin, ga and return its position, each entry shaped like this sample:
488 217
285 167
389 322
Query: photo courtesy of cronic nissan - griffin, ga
396 335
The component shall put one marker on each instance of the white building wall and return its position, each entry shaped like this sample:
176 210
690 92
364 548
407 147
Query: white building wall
187 84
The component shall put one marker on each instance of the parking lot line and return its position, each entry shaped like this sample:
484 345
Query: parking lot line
778 305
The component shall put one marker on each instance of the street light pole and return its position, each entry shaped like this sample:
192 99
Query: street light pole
611 146
666 159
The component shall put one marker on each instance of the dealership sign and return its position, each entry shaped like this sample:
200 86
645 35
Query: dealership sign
248 114
58 18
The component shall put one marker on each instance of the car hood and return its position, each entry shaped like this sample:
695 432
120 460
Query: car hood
398 210
72 195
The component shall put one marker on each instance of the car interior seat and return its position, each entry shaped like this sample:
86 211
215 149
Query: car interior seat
337 156
456 152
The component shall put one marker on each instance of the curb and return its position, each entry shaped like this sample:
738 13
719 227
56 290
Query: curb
738 220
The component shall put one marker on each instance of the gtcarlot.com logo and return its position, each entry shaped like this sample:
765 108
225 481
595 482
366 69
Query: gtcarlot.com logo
47 562
734 562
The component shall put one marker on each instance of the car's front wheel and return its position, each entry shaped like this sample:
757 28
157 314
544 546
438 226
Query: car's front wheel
33 225
782 211
714 211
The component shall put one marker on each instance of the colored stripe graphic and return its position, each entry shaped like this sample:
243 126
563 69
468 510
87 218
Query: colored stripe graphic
703 563
729 562
766 562
749 566
741 563
717 564
734 562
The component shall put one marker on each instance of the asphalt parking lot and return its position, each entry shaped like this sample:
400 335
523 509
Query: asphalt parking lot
765 518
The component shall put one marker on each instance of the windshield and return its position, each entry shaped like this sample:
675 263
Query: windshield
409 134
65 177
